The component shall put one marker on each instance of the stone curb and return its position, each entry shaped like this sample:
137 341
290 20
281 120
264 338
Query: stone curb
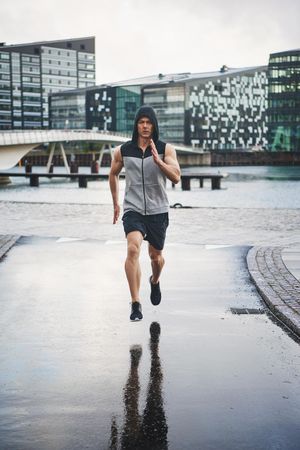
278 287
6 243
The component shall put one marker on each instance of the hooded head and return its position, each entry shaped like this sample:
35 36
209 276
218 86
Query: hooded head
146 111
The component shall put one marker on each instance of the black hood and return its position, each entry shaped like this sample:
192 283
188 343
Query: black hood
146 111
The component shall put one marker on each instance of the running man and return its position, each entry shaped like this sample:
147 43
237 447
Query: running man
148 162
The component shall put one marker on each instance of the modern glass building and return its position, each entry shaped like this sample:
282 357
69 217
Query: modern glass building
100 108
109 108
231 109
227 110
128 100
7 94
218 110
284 101
30 72
169 103
68 110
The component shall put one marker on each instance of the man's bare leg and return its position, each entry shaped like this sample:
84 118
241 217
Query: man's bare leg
132 264
157 263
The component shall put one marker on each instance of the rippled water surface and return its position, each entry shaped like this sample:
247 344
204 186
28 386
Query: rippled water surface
244 187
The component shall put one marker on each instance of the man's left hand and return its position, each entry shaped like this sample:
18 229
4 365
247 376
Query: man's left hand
154 152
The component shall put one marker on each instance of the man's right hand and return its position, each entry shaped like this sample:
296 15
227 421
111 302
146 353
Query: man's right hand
116 213
116 167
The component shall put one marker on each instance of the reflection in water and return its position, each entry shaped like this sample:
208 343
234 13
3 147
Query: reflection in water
149 430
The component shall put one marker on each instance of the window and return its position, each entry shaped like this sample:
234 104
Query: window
218 88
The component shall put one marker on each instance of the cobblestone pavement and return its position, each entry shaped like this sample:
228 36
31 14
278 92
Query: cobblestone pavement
275 282
6 242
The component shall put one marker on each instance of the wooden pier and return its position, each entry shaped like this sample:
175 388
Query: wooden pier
215 178
83 178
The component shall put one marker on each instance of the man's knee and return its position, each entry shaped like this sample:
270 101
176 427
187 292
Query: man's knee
156 257
133 250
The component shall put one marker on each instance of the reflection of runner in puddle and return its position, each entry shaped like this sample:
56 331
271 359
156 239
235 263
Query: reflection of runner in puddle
149 430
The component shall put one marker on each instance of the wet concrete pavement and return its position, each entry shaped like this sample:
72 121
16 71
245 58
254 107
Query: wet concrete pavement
75 373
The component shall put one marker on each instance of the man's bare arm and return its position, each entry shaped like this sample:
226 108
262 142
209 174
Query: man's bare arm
115 169
170 166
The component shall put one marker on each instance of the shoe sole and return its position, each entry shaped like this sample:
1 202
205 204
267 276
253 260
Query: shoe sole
155 304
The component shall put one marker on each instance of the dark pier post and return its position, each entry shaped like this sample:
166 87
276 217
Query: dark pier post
28 167
185 183
95 167
73 167
82 182
34 180
201 180
216 183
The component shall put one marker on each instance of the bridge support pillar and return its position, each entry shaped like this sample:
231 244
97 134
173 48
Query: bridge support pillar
64 157
51 154
104 150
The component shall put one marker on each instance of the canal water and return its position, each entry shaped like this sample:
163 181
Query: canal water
244 187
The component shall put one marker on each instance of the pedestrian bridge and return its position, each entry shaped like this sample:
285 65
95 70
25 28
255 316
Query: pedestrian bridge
16 144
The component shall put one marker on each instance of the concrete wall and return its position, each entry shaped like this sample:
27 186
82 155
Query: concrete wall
223 158
200 159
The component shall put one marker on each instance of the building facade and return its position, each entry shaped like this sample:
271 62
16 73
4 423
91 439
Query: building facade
109 108
284 101
68 110
30 72
227 111
224 110
255 108
168 100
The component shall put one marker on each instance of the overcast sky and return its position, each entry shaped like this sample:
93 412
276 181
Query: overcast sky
144 37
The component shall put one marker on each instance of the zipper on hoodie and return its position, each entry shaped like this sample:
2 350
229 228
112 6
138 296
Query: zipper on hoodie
143 181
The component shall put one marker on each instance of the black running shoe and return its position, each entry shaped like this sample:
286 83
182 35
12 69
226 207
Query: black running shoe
155 295
136 311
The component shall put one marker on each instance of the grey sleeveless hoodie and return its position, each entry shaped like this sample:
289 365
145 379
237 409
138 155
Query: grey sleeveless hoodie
145 190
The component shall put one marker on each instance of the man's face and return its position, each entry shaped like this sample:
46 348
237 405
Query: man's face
145 128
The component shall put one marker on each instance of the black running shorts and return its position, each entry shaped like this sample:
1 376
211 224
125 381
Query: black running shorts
152 227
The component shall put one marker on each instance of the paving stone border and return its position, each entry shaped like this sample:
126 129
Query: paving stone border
275 283
6 243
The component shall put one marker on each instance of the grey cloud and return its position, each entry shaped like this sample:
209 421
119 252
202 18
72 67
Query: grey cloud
137 37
